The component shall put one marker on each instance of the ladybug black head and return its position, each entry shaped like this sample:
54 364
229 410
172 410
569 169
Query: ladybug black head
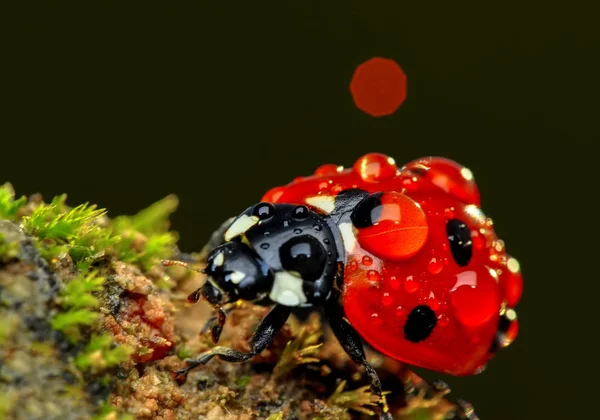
286 253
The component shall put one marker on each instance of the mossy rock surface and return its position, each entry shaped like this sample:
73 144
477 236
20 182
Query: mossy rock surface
93 327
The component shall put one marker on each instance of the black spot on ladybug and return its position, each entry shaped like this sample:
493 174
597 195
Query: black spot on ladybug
461 246
367 212
264 211
419 324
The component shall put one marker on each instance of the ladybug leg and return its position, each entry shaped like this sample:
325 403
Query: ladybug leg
217 238
217 320
264 335
352 345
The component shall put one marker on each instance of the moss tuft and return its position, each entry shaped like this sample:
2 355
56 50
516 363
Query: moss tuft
356 400
76 231
80 303
9 207
101 354
301 350
145 237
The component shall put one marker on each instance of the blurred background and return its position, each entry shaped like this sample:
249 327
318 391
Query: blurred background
121 103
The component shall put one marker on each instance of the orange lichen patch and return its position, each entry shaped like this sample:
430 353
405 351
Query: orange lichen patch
146 323
378 86
131 279
151 395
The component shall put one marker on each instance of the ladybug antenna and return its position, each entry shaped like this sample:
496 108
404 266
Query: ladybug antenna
169 263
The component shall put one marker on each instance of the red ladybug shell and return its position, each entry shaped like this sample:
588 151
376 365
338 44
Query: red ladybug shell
400 268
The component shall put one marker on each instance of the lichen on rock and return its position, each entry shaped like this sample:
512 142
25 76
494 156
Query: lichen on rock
94 327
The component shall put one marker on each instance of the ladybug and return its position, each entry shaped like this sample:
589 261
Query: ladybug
403 259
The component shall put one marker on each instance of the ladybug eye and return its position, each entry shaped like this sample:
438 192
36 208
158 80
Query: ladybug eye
300 212
304 255
461 245
264 211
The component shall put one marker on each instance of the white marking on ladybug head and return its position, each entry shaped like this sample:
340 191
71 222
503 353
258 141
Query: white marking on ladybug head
236 277
240 226
287 289
323 202
219 259
348 237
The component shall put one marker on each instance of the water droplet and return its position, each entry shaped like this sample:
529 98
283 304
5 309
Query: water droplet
433 302
443 320
386 299
373 275
264 246
318 228
435 266
410 285
366 260
326 241
336 189
352 266
376 319
267 233
478 241
394 283
375 167
327 169
323 185
286 223
400 311
449 212
297 231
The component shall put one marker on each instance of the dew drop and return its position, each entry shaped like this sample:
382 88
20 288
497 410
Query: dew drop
318 228
443 320
478 241
435 265
267 233
400 311
336 189
376 319
264 246
386 299
352 266
366 260
394 283
326 241
449 212
323 185
373 275
297 231
410 285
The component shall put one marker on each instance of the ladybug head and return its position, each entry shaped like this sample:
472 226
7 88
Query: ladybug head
283 252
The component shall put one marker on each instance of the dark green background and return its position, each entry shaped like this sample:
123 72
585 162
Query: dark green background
121 103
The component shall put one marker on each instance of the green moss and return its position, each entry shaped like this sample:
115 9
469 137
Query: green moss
101 354
9 207
243 381
357 400
76 231
276 416
303 349
7 402
108 412
8 250
80 303
145 237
